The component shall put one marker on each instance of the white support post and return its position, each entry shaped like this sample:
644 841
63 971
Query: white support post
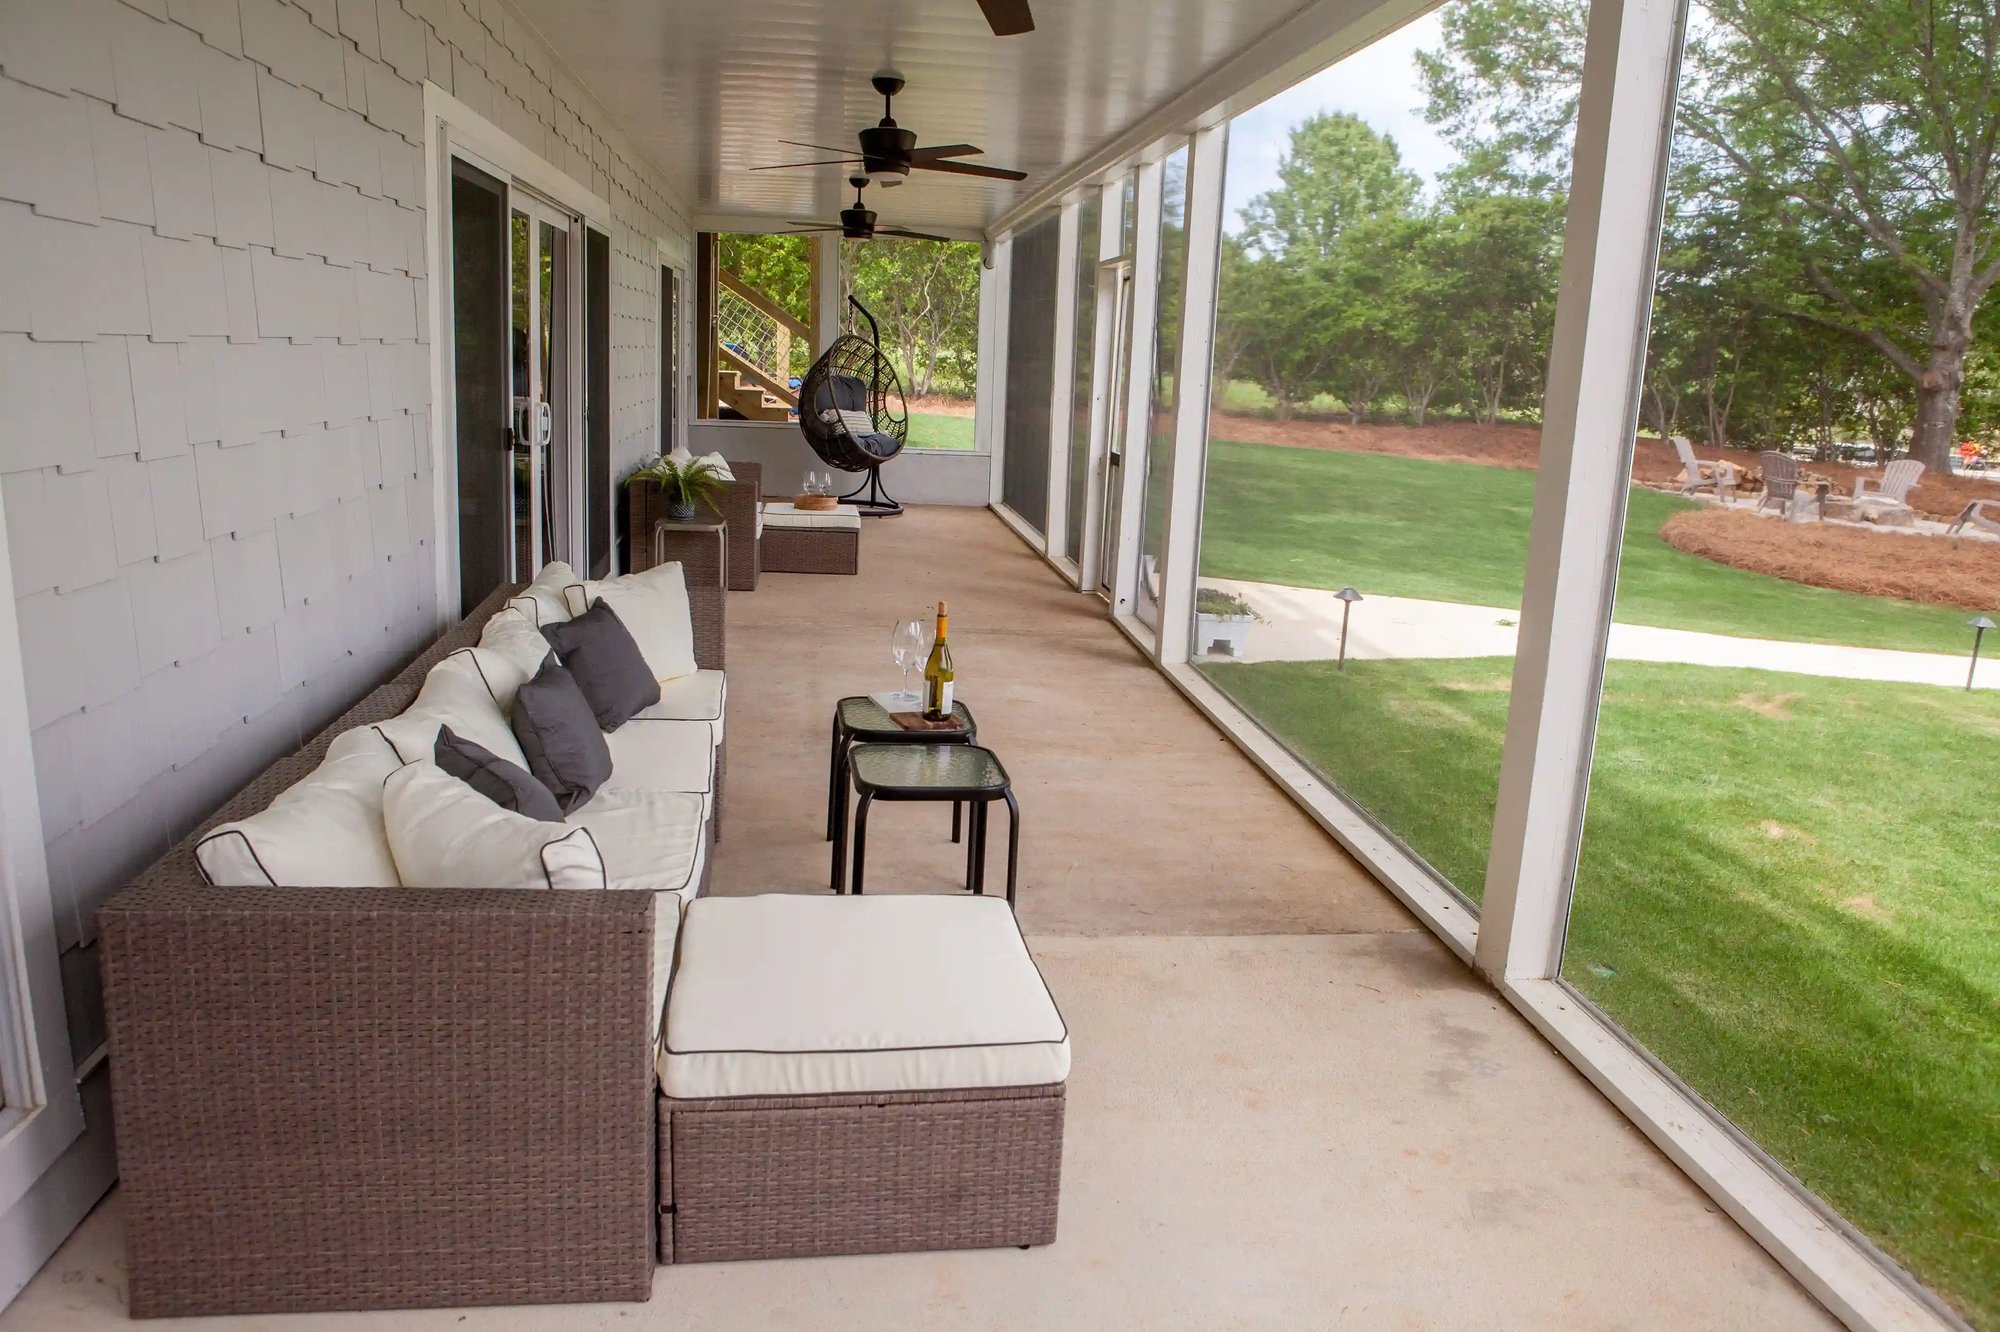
1603 309
1181 545
1062 377
1104 341
829 293
990 397
1138 417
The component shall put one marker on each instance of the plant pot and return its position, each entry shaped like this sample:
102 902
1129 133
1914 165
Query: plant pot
1222 635
680 510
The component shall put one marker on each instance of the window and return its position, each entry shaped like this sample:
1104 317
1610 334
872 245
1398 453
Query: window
757 304
1159 458
1031 325
925 299
1384 318
1084 343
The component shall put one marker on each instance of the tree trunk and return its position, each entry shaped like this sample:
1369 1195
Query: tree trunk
1931 437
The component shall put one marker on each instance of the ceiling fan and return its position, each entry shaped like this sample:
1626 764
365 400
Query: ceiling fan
1008 18
858 223
889 152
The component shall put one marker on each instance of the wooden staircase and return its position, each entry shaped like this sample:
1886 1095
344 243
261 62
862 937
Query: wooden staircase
749 401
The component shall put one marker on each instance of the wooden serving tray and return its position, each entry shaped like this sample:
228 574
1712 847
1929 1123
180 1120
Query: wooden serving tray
815 503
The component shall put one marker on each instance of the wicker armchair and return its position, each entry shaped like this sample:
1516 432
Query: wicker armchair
738 500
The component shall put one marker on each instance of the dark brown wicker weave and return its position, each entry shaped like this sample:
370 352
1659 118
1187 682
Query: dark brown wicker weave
886 1172
738 501
335 1098
813 550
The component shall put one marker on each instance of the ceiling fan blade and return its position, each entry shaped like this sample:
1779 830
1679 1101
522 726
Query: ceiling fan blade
787 166
969 169
1008 18
909 235
816 147
801 231
945 150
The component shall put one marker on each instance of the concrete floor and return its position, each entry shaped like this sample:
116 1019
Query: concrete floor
1290 1106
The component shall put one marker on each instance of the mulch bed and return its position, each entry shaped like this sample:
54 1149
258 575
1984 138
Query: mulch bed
1965 574
1654 462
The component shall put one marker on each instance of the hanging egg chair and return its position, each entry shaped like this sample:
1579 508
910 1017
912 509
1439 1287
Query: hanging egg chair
852 412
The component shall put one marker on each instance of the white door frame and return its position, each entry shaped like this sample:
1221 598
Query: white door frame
453 129
1180 554
1104 344
1138 396
1062 393
40 1111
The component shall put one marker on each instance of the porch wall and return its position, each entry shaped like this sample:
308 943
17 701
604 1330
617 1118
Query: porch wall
215 395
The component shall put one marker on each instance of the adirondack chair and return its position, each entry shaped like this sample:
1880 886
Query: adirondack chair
1891 490
1983 514
1781 480
1717 477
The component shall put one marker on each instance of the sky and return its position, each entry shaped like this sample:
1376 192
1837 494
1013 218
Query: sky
1379 84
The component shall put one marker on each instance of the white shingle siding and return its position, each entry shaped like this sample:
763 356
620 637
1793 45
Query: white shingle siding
215 457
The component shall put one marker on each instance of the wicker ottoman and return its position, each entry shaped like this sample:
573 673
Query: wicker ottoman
799 541
857 1075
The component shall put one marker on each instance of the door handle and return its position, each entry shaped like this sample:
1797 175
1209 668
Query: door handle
545 423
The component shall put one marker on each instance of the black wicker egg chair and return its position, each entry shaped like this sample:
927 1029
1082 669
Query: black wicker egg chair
851 411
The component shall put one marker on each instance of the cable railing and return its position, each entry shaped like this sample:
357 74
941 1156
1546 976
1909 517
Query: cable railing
758 338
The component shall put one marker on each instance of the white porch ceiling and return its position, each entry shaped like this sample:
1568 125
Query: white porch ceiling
707 88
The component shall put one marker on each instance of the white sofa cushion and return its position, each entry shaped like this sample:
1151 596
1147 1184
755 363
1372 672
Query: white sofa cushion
702 696
542 599
840 518
720 463
660 754
459 692
653 605
517 641
786 995
324 831
650 841
444 834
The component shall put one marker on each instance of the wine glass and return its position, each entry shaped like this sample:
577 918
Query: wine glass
907 645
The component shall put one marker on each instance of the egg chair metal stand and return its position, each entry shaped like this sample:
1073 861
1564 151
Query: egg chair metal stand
852 412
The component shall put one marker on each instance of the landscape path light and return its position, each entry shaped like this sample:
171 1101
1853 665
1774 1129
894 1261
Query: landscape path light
1348 596
1980 624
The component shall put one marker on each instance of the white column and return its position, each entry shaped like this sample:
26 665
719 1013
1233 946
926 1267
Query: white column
1207 159
1104 341
1603 308
829 292
990 376
1062 374
1131 449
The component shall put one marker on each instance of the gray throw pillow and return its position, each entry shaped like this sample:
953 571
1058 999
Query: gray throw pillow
600 654
507 785
558 733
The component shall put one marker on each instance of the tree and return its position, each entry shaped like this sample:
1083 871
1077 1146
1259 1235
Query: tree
1867 136
1336 171
926 296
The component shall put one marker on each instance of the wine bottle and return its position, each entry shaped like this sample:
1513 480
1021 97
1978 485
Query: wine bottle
938 675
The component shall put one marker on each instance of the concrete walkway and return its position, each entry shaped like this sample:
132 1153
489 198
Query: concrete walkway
1303 624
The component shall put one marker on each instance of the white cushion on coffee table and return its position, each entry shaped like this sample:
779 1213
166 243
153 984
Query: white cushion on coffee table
842 517
786 995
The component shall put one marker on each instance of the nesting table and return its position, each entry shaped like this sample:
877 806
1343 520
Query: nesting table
964 774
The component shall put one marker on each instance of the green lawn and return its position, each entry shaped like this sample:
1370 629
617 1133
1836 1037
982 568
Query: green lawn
929 430
1459 532
1789 891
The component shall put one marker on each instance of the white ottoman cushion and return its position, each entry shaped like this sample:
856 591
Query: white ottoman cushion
786 995
842 518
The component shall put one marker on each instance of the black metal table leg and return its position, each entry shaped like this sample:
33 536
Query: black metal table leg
840 836
861 838
957 806
833 775
979 809
1013 842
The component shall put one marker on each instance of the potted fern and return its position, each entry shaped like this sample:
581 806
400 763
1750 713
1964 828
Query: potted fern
684 483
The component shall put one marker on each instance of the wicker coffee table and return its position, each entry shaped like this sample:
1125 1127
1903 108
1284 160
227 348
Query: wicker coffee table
956 773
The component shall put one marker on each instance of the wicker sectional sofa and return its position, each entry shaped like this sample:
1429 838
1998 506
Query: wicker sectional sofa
346 1097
